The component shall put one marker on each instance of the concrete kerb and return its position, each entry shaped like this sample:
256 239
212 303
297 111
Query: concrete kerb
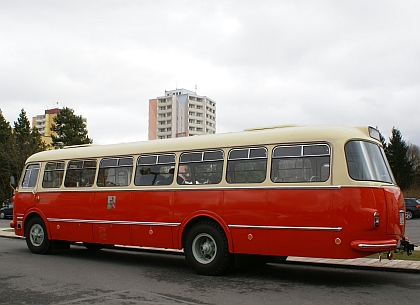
355 263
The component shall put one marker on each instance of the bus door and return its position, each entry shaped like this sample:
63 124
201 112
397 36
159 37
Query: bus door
76 202
27 195
112 201
111 215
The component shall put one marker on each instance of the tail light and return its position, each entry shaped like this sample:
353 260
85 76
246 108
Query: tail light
402 217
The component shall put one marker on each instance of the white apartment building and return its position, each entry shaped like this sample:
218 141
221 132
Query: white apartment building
181 113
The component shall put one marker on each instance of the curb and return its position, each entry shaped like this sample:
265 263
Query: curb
404 266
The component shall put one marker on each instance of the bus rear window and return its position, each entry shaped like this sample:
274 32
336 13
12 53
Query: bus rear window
366 161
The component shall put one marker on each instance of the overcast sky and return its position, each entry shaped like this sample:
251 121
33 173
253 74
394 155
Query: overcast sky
264 62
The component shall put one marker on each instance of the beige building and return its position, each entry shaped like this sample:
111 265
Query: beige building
181 113
43 122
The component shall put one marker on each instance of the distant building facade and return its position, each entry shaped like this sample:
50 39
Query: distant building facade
181 113
44 122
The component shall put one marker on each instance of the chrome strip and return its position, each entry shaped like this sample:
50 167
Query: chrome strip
337 229
368 246
195 187
118 222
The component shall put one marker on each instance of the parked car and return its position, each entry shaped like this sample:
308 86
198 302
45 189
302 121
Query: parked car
6 211
412 208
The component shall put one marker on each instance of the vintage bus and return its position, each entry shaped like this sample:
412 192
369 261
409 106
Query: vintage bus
267 193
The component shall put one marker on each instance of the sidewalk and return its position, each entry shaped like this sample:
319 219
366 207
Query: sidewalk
355 263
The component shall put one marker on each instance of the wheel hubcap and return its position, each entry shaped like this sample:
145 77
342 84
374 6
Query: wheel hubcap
37 235
204 248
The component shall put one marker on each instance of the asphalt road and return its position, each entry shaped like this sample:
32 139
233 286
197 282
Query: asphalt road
79 276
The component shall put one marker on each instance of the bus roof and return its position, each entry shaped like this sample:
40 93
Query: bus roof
248 137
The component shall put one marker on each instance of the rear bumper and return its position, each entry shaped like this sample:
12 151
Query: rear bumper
402 244
374 246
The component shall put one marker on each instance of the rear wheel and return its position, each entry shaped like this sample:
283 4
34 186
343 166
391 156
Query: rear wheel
2 216
37 237
408 214
206 248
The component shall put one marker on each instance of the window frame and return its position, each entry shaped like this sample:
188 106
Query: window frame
296 155
245 159
117 170
198 159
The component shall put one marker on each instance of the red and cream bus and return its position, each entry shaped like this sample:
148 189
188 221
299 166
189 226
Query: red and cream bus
269 193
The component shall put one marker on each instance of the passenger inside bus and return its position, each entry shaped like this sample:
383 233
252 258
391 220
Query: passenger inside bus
150 175
170 178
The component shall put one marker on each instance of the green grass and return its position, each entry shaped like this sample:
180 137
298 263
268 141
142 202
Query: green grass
415 256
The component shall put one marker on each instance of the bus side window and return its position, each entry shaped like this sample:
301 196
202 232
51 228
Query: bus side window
115 172
204 167
53 175
300 163
247 165
154 170
30 176
80 173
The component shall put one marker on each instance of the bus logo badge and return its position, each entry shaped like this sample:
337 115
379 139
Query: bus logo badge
111 202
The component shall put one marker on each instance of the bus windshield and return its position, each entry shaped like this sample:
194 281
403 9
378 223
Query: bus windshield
366 161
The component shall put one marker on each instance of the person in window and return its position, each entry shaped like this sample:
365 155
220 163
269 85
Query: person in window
170 178
150 175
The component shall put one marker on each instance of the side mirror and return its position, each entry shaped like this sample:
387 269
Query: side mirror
12 180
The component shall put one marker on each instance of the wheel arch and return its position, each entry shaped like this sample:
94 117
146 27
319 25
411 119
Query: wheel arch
34 214
204 216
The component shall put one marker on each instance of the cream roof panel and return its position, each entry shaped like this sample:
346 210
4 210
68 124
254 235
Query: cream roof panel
257 136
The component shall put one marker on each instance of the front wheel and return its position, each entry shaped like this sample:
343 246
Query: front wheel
37 237
206 248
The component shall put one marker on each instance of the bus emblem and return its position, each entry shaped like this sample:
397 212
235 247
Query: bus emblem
111 202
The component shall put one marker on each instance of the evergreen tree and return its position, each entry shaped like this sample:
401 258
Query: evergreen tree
383 141
414 157
70 129
5 165
26 142
397 154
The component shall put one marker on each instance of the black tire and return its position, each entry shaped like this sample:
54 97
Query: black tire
37 237
2 216
93 247
408 214
206 248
